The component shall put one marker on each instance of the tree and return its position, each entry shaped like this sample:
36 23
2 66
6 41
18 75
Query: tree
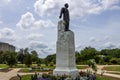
77 55
113 60
97 58
51 58
1 57
20 56
39 62
26 51
28 60
11 58
116 53
34 56
101 57
107 58
118 60
46 62
101 61
88 53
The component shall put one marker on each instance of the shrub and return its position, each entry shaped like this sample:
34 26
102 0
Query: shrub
51 64
118 60
113 60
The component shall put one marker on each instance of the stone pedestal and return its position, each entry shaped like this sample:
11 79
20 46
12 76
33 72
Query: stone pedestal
65 52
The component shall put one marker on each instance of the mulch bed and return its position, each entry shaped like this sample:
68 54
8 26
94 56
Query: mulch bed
22 71
14 78
5 70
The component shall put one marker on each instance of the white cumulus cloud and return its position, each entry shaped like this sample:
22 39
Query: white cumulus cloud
92 39
41 7
44 23
4 2
7 34
44 52
42 48
78 8
28 21
109 45
37 45
34 36
106 37
79 47
118 45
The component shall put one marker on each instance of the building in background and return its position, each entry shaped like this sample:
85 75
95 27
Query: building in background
6 47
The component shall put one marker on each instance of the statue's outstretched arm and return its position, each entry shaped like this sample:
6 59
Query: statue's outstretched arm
61 12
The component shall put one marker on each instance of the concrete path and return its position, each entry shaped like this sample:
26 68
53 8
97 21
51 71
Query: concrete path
12 73
112 75
108 74
100 67
8 75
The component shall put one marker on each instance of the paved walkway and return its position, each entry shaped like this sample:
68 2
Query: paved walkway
8 75
100 67
108 74
12 73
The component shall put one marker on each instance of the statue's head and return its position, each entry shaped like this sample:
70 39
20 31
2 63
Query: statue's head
66 5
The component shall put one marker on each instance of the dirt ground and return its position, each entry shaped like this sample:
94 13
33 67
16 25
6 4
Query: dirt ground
5 70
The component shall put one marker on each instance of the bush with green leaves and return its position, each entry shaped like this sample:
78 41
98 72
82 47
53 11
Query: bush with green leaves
51 64
113 60
92 64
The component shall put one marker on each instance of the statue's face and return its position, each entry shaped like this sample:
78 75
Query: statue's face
66 5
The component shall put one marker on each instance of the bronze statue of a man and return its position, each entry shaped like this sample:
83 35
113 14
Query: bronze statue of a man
66 18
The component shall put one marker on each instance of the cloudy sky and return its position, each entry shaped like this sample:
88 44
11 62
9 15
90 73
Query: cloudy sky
33 23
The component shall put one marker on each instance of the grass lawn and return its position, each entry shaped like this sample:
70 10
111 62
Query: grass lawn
24 70
16 66
19 66
26 77
82 67
4 66
106 78
42 66
112 68
102 78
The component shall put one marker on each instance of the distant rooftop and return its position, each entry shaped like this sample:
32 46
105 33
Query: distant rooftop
6 46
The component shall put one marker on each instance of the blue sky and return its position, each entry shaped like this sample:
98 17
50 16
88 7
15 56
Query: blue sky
33 23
